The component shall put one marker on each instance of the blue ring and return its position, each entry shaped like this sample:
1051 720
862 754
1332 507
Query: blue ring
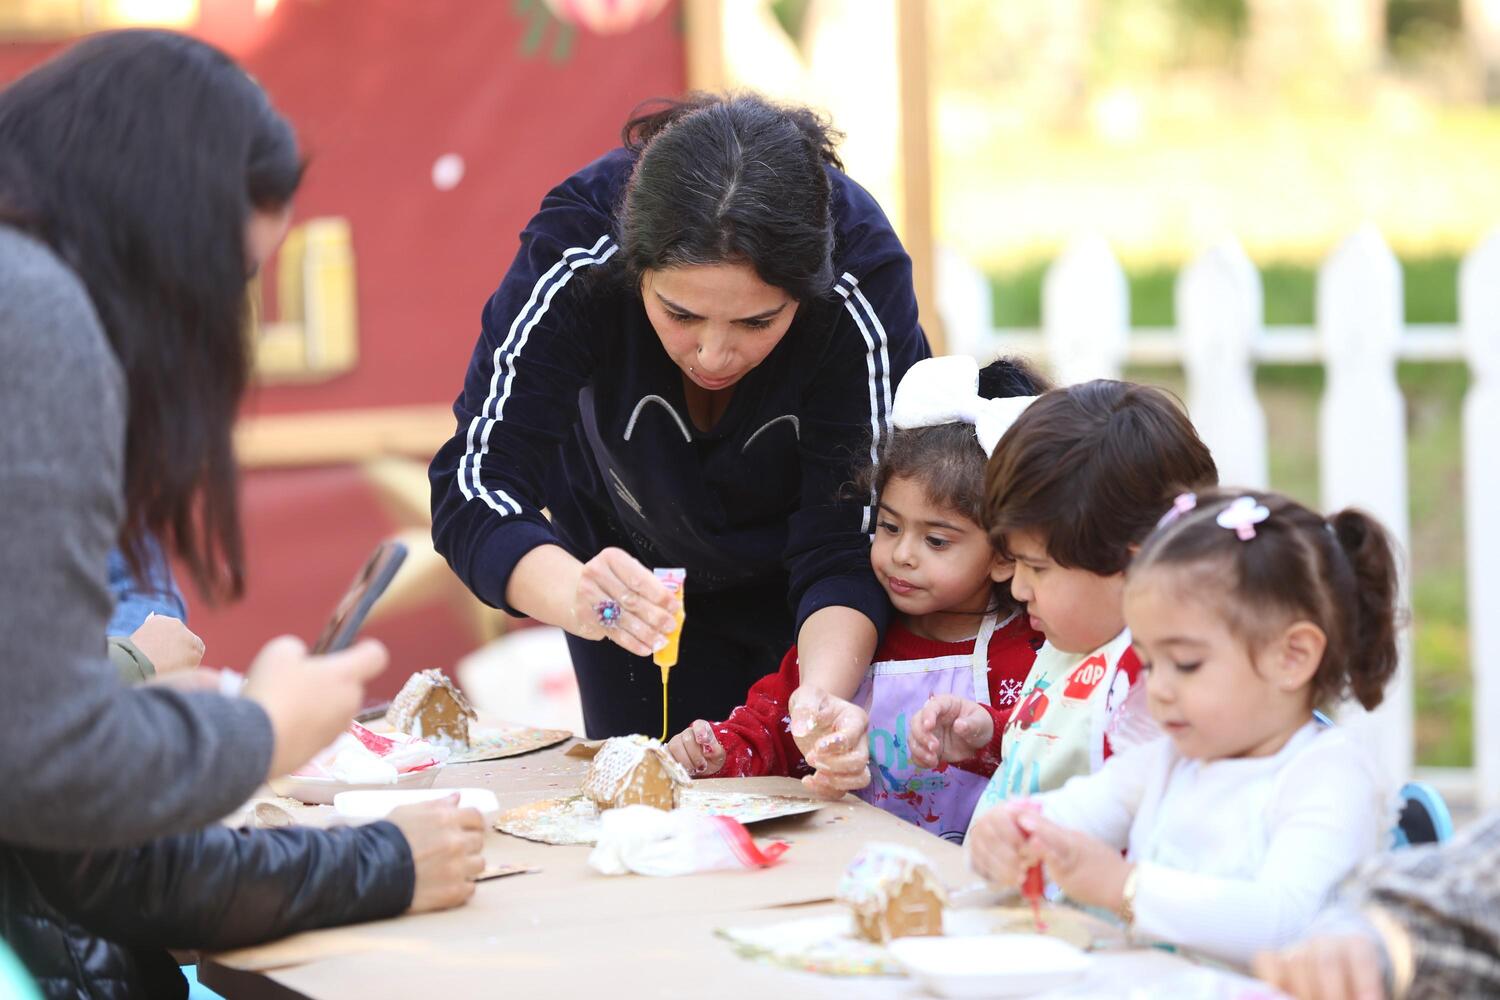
608 612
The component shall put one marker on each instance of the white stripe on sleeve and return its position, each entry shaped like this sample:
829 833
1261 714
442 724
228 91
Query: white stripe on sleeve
505 358
877 364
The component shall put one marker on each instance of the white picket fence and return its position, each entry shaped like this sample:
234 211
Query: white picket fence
1359 336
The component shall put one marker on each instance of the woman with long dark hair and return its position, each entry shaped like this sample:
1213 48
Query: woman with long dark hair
143 177
690 354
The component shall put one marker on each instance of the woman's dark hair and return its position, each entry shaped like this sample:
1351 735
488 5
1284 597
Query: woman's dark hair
947 459
1091 468
731 179
1339 573
138 156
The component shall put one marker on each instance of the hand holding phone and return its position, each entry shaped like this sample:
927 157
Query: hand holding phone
369 583
310 696
309 699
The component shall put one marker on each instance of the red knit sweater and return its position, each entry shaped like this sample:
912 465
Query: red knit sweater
757 736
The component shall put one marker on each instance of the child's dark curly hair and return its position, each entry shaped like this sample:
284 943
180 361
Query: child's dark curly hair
947 459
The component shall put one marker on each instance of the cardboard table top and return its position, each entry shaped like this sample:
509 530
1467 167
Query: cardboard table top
566 893
566 930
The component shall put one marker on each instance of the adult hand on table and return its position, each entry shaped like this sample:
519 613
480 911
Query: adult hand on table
168 644
1332 967
447 851
618 599
310 699
949 729
831 733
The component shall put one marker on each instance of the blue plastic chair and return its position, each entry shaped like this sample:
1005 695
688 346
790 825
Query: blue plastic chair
1424 817
196 990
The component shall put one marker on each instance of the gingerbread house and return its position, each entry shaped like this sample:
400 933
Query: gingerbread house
431 707
634 770
892 892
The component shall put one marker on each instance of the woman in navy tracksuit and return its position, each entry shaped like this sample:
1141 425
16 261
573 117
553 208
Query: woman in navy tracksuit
688 361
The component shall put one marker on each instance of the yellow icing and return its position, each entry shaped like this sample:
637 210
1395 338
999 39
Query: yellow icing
666 657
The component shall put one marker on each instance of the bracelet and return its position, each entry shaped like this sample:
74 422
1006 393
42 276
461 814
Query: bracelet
1127 896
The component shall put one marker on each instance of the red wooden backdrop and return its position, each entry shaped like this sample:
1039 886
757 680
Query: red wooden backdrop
379 90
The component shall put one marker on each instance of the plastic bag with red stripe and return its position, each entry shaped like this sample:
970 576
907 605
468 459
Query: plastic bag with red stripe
366 757
649 841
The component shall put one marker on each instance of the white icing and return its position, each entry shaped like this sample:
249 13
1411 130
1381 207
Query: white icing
615 765
405 711
881 869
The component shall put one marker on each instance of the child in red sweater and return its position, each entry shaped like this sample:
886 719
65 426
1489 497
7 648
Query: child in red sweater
956 629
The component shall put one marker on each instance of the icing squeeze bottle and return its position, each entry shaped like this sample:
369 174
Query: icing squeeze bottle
1035 883
666 657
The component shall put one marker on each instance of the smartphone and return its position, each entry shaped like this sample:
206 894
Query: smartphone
369 583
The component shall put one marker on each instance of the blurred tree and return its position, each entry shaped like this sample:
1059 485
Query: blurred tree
1213 31
1133 39
1422 22
1230 18
1304 46
791 15
1416 30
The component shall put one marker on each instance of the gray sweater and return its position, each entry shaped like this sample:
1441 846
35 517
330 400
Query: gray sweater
84 760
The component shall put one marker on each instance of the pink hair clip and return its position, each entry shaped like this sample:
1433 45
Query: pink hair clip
1184 503
1242 516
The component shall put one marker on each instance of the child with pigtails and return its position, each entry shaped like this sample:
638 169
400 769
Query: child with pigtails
1248 611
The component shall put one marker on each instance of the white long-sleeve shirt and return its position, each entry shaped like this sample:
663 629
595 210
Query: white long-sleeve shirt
1235 856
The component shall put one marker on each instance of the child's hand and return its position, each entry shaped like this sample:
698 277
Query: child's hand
999 848
1090 871
168 644
949 729
698 749
831 733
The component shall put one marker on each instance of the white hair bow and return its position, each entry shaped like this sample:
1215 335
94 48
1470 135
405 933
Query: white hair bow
946 391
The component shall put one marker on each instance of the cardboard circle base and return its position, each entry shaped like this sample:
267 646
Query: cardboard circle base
575 820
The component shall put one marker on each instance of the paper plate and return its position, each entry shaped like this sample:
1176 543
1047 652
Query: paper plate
826 944
992 965
1061 922
492 741
377 804
814 944
506 740
320 791
575 820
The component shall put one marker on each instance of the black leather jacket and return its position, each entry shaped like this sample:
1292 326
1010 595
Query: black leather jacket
96 925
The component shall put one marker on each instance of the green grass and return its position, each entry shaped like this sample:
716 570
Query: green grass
1431 290
1434 398
1289 395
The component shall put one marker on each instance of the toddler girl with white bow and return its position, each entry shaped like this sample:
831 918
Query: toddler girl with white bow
956 629
1248 611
